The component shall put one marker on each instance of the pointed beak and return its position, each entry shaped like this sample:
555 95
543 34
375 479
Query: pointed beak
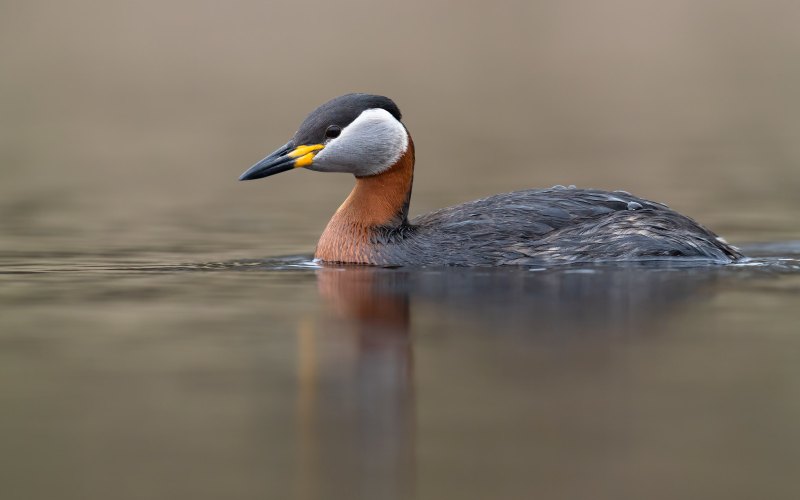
284 158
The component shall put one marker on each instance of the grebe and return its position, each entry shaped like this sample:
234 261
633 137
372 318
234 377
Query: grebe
362 134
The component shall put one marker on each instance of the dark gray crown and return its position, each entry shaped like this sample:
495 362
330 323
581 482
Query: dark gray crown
340 111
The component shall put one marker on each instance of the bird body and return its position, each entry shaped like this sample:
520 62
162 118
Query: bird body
362 134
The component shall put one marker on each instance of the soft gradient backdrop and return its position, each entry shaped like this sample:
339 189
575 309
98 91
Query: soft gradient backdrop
121 122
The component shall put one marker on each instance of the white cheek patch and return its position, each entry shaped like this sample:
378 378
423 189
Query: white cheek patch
371 144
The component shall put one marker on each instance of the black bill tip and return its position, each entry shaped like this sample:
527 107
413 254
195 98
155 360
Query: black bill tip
277 162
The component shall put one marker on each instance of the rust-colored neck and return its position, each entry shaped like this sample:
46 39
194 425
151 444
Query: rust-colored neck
376 201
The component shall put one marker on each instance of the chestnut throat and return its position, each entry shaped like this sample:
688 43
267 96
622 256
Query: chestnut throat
375 213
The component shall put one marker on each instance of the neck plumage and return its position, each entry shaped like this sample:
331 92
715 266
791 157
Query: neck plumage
377 203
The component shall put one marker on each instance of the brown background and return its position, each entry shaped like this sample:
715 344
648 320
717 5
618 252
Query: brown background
121 121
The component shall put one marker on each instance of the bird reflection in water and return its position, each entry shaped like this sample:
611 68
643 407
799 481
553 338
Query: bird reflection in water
355 407
357 410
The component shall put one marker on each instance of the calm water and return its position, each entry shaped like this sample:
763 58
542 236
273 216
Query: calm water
126 377
157 343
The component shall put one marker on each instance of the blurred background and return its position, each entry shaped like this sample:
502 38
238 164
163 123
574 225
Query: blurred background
137 117
124 126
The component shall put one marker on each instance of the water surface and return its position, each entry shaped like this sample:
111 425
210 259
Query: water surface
280 378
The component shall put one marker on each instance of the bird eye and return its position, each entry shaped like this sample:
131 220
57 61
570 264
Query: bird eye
333 131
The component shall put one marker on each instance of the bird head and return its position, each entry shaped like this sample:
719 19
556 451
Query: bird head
359 134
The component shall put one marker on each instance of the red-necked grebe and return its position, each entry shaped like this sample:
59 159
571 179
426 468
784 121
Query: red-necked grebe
362 134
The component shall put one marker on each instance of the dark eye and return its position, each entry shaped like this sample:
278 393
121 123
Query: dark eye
333 131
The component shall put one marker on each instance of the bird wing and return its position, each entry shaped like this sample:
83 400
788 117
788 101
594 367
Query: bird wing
535 212
566 224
